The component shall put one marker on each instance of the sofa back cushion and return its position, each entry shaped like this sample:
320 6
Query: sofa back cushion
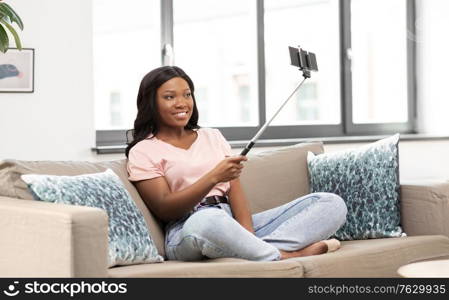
11 185
272 178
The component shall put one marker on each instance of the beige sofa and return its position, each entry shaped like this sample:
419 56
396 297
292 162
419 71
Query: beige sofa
41 239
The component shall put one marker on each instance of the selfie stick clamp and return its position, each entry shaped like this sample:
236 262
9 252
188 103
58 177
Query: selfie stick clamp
306 62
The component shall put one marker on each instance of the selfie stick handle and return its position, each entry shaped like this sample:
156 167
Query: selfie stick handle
261 130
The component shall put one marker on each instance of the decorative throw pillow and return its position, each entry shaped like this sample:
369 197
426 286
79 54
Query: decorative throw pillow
129 239
367 179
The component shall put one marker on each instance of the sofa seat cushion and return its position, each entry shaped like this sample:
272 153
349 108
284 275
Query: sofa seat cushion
220 267
374 257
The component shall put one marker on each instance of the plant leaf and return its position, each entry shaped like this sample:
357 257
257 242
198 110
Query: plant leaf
6 18
3 11
7 10
14 33
4 40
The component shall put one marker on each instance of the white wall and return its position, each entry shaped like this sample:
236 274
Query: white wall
57 120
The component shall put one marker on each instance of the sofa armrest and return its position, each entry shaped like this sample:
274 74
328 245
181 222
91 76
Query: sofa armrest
40 239
425 208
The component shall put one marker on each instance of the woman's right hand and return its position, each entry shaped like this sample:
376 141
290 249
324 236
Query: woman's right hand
228 169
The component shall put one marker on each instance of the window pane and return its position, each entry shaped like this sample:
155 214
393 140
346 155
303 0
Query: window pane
313 25
432 27
215 43
126 46
379 61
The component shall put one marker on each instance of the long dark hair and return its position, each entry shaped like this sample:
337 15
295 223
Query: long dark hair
147 111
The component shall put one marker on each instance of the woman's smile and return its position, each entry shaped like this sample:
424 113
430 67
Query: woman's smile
182 115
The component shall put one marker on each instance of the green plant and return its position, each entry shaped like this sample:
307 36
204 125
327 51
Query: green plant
7 17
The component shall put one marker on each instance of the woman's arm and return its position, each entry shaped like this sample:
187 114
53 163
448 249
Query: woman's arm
169 205
240 206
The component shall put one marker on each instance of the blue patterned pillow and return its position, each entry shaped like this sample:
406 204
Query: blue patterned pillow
367 179
129 239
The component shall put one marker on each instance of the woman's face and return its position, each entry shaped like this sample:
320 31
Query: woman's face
175 103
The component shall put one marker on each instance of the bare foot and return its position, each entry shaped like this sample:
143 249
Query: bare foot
313 249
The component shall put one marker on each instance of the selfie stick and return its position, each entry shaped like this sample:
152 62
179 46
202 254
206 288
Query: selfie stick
261 130
306 63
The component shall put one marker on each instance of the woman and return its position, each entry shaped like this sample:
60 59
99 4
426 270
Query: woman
188 178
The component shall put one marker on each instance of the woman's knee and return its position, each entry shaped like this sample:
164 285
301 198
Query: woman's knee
336 205
204 222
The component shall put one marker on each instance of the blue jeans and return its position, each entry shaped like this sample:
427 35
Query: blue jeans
212 232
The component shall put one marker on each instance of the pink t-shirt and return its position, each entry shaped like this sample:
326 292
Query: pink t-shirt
181 168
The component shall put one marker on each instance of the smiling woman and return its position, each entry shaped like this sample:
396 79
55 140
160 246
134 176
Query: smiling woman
164 95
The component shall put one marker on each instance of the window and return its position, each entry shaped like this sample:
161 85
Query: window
236 52
313 24
379 61
215 45
432 24
116 107
125 47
